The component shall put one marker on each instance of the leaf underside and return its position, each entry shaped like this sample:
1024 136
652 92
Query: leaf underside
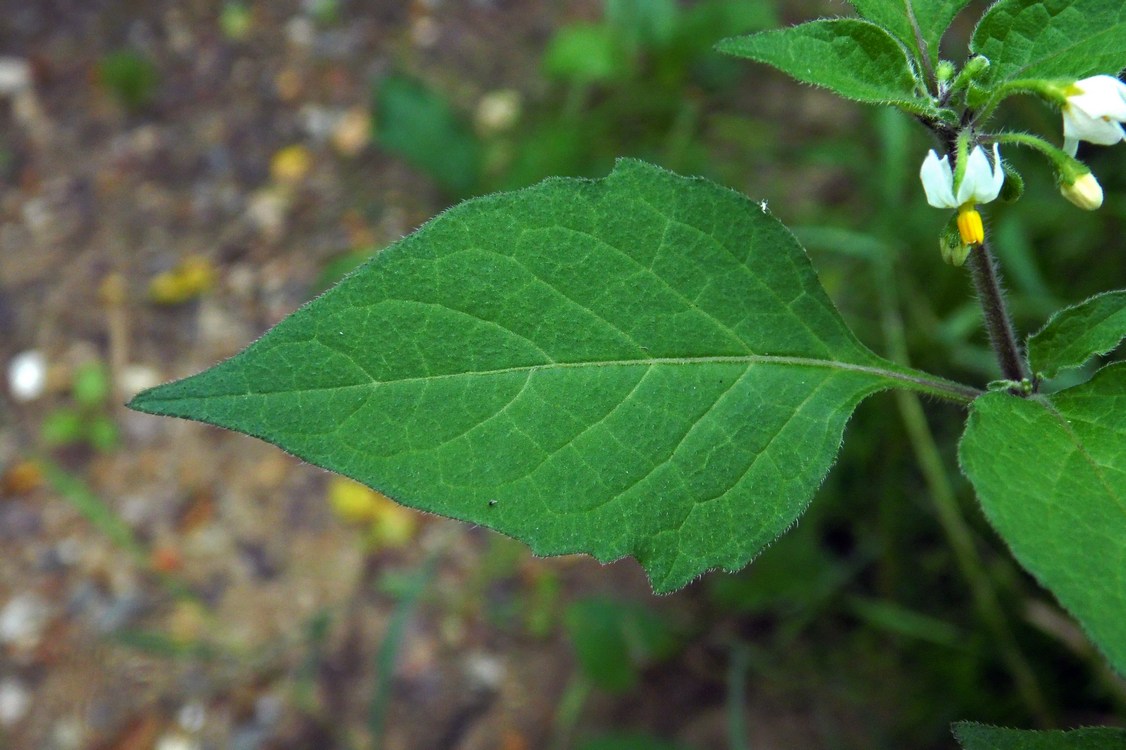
641 365
1051 477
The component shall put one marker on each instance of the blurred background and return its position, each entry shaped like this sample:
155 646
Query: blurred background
176 177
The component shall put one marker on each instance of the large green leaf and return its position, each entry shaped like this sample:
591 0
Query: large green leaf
933 18
981 737
1052 38
1075 334
856 59
641 365
1051 477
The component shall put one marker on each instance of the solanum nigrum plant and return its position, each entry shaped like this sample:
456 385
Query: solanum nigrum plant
647 365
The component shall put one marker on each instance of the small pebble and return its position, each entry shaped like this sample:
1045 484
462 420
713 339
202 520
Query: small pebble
135 378
300 31
176 741
27 375
15 75
68 734
268 709
485 670
498 111
191 716
22 621
15 700
352 132
267 211
318 122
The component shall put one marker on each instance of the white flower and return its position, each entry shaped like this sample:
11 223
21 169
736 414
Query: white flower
1094 110
981 181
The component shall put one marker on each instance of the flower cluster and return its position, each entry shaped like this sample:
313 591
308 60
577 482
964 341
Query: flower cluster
1094 110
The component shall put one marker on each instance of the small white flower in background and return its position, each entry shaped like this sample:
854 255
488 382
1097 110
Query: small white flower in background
1094 111
980 183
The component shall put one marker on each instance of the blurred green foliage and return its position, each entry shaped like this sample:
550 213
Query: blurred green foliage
614 640
130 77
86 420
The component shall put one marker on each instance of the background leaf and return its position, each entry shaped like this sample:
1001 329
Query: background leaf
614 640
1051 477
856 59
587 53
1051 38
642 365
933 17
1075 334
418 124
981 737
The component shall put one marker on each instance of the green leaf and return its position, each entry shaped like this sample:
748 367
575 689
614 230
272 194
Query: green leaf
1075 334
856 59
933 17
1051 476
640 365
588 53
1051 38
418 124
981 737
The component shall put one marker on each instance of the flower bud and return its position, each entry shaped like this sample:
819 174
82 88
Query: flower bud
954 250
944 71
1084 192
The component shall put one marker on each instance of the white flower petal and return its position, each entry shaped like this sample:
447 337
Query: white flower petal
988 191
938 181
982 180
1095 112
1078 125
1101 96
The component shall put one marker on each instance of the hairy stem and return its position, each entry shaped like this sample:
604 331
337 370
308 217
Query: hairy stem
998 323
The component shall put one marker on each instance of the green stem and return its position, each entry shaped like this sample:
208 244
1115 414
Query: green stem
950 517
1056 155
1049 91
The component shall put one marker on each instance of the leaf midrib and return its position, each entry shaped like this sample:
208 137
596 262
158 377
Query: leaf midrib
911 379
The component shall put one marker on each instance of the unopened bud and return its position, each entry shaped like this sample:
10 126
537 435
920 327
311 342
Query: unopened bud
954 250
975 66
1084 192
